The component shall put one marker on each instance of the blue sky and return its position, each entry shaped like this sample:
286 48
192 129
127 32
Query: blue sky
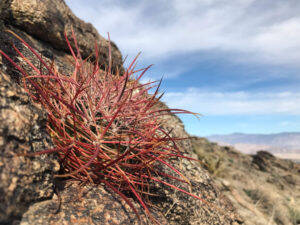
236 62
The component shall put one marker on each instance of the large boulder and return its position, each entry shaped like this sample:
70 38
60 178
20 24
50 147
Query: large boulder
42 24
48 20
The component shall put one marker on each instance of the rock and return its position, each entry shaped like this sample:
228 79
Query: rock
24 180
41 24
265 161
47 20
261 159
85 205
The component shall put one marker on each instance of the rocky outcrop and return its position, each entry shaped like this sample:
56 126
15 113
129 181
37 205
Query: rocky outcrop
29 182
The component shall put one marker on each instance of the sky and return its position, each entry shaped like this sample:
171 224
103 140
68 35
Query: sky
237 62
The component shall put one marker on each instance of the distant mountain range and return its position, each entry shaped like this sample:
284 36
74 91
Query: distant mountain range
280 143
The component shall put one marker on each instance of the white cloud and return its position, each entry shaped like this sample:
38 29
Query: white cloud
286 123
235 103
246 29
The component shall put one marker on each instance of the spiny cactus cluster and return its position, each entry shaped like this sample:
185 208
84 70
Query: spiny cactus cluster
105 127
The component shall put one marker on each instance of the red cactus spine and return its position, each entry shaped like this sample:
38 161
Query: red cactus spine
104 126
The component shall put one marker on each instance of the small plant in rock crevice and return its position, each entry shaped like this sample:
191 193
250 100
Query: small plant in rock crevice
105 127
